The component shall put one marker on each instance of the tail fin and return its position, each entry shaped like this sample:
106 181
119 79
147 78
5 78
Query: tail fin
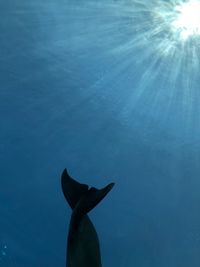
92 198
72 190
76 193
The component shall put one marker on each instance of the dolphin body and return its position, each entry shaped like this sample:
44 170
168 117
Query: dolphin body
83 249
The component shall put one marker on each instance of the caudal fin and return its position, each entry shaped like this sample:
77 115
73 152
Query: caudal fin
92 198
72 190
80 196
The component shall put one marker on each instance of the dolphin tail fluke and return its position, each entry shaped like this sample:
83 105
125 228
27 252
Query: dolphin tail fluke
92 198
72 189
80 196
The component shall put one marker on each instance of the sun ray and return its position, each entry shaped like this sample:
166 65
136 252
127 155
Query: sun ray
187 21
152 48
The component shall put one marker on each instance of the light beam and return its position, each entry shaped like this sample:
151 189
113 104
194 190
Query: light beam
187 21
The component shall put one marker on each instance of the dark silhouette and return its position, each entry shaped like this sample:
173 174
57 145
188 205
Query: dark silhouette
83 248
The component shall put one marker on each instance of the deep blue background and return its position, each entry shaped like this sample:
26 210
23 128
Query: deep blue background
71 95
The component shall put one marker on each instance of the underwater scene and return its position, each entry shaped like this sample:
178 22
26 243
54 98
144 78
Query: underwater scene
100 133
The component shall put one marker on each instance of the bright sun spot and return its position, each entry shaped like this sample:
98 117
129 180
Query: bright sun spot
187 22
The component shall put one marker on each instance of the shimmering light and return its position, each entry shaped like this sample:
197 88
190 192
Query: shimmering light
150 48
179 22
187 21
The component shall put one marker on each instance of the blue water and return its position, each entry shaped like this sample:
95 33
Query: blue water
88 85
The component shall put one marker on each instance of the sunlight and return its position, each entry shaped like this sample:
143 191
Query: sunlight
187 22
176 23
154 47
